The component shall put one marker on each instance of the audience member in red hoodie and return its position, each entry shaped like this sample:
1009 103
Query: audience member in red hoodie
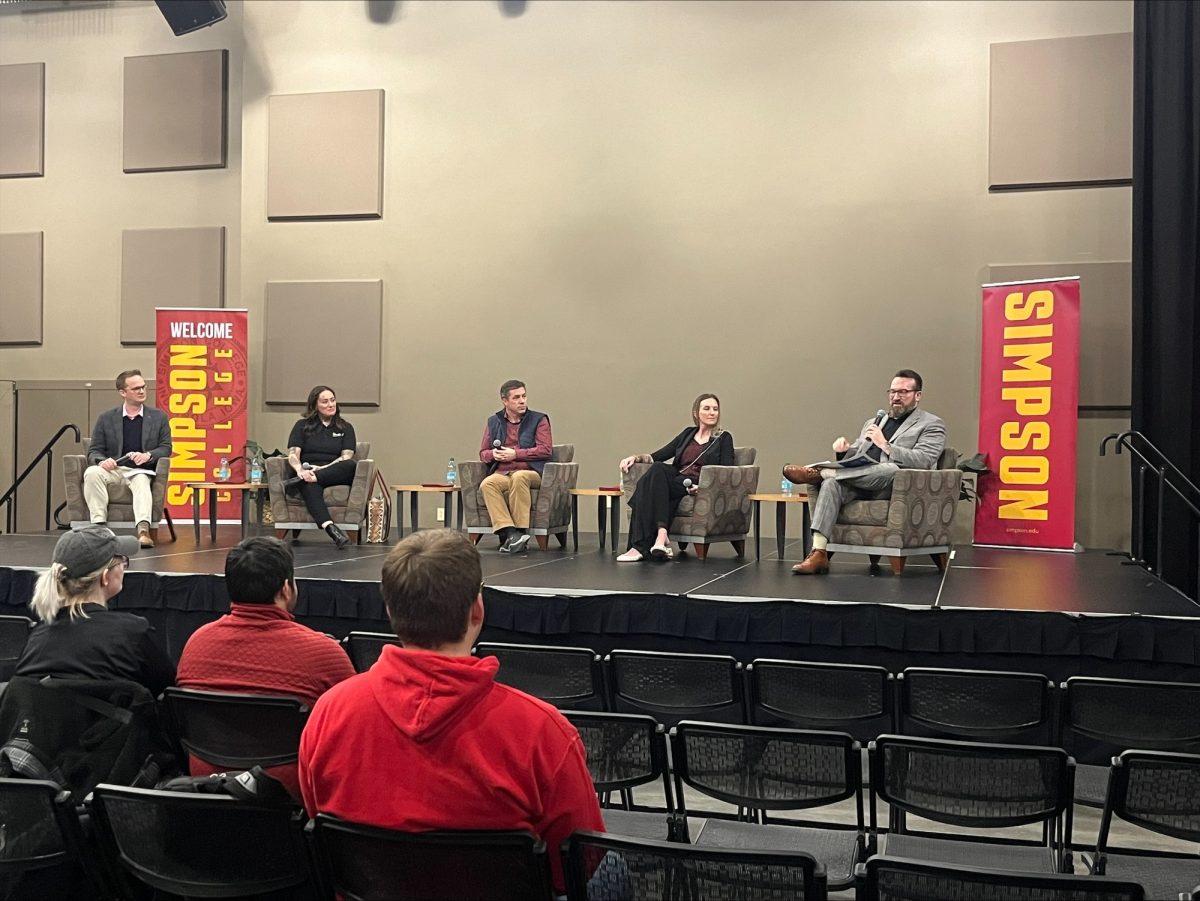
258 647
427 739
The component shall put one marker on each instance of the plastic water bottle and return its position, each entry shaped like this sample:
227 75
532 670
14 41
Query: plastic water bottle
451 472
785 488
223 470
255 469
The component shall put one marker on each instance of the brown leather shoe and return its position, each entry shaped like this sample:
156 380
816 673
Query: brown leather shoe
802 475
144 538
815 564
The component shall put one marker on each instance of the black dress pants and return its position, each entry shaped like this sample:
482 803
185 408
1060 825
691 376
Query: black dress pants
655 500
340 473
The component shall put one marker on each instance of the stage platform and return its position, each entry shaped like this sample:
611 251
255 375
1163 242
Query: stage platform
1062 614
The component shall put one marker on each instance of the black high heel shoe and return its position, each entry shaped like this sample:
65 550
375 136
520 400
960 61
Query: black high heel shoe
340 538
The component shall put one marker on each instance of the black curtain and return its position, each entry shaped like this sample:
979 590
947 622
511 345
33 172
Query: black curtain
1166 274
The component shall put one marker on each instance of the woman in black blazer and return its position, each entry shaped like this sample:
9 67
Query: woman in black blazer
659 491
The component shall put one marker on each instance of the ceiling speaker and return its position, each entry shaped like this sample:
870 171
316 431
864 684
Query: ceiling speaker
189 15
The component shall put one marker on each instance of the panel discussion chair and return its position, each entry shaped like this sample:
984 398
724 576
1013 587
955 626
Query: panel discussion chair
347 503
549 505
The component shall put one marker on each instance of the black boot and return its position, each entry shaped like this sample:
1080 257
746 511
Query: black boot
340 538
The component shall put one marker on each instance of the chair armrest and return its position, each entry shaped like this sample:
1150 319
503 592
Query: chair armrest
935 491
470 474
630 479
360 490
73 468
277 470
559 477
723 498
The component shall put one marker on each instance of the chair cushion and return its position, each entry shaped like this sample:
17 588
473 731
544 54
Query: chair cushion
1022 858
836 849
865 513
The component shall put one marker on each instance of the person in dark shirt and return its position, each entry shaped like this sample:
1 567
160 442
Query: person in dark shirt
661 488
78 636
321 451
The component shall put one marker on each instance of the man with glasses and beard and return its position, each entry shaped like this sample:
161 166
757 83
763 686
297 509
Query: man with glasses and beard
902 436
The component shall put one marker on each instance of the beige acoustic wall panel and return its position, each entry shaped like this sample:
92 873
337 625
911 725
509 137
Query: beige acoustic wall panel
21 288
22 120
1105 320
168 267
325 156
323 333
176 111
1061 112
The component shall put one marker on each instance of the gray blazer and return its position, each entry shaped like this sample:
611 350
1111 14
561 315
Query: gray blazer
917 444
107 435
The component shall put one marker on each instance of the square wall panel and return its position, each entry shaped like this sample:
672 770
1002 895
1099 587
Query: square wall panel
168 267
176 111
1061 112
325 156
22 120
323 333
21 288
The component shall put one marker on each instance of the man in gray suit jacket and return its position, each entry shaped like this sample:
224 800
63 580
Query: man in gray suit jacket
903 437
127 438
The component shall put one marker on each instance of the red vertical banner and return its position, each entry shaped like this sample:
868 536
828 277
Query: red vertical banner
1028 420
202 386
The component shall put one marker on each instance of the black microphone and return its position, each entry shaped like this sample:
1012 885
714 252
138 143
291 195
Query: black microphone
296 480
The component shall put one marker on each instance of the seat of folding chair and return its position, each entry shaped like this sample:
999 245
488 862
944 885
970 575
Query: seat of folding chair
1160 876
1091 784
654 824
835 849
992 855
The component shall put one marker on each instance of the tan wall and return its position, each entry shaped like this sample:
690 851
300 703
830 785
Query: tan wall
623 204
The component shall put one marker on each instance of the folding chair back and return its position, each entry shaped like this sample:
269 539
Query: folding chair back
671 687
842 697
898 879
237 731
364 648
568 678
985 705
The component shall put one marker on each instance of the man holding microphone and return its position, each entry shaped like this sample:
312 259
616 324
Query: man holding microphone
516 445
901 437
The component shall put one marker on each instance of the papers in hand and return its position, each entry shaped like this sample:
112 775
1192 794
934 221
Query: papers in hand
848 462
126 468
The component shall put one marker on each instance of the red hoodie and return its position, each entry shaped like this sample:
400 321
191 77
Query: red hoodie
423 742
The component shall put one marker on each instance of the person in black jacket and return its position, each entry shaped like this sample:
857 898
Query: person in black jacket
659 491
321 451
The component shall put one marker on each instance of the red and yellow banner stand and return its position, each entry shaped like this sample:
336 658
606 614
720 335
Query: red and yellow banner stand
1028 420
202 384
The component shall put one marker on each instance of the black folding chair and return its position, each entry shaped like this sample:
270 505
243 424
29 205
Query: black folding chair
201 846
568 678
624 751
898 879
364 648
976 705
974 785
236 731
840 697
671 687
1103 717
609 867
41 847
760 770
14 632
1158 791
366 863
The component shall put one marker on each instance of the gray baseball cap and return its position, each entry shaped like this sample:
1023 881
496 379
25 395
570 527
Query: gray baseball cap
86 550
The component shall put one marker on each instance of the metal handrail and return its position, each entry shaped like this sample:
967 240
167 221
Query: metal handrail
1162 467
47 453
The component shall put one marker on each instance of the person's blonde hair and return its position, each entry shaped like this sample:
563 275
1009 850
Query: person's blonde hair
54 590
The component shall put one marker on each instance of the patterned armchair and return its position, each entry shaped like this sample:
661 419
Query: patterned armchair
551 513
347 503
916 519
720 510
120 499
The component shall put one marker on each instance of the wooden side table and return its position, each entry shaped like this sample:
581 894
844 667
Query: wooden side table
415 492
213 489
613 512
781 502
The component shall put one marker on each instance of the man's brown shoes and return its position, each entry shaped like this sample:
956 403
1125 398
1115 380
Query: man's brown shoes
144 538
802 475
816 563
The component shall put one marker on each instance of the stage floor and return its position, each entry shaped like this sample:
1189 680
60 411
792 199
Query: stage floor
1092 582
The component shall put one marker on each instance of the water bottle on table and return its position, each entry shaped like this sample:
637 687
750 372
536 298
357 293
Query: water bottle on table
785 488
451 472
255 469
223 470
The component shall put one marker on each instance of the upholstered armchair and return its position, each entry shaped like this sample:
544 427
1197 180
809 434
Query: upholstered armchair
916 519
720 510
120 499
347 503
551 503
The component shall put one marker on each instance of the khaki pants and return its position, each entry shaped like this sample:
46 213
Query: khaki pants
507 496
96 485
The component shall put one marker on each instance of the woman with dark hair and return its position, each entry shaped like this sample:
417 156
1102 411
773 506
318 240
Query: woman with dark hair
321 451
661 488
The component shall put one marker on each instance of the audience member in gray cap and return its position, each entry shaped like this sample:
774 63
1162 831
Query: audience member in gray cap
78 636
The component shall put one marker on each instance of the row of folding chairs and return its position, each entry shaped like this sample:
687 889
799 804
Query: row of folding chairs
144 842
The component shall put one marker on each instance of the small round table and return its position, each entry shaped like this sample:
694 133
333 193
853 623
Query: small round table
613 512
213 489
781 502
449 491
